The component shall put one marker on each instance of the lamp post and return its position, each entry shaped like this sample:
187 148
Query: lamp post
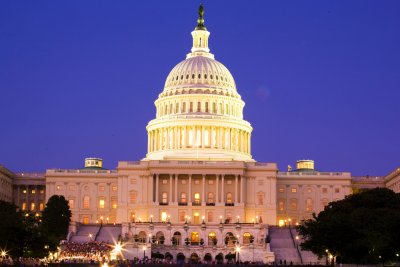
238 252
144 252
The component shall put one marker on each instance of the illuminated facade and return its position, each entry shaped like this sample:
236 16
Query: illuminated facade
198 180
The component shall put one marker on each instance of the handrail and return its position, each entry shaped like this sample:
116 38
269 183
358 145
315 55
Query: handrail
98 232
294 244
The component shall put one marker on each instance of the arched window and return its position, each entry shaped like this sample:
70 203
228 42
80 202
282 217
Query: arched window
133 197
191 107
210 198
194 238
142 237
176 239
229 199
198 106
183 107
260 198
160 238
247 238
164 198
206 107
196 199
309 204
214 108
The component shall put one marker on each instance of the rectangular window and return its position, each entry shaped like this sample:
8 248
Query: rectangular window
196 181
114 188
210 216
210 182
58 188
281 205
198 106
293 205
163 216
101 188
71 203
23 206
85 220
33 191
164 181
281 190
294 190
41 206
24 191
102 203
260 182
72 188
324 190
309 204
337 190
86 202
133 181
182 216
229 181
113 202
183 197
183 181
32 206
42 191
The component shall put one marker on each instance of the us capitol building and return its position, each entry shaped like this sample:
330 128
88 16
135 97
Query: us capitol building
198 183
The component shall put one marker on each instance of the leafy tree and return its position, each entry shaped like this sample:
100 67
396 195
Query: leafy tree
56 218
362 228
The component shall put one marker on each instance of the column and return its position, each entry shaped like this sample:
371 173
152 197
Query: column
176 188
204 189
217 189
148 141
236 189
157 180
241 189
222 188
202 136
170 188
190 189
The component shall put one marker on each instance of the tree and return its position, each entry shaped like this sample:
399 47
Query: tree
11 229
56 218
362 228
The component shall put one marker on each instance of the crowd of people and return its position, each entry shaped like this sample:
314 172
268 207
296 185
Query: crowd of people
84 252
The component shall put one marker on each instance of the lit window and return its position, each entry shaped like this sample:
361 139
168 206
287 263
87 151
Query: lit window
71 203
85 220
86 202
309 190
229 198
114 202
133 196
33 191
229 181
281 205
41 206
58 188
24 191
281 190
114 188
164 181
294 190
183 181
23 206
101 188
183 197
101 203
197 198
309 204
196 181
32 206
41 191
210 182
163 216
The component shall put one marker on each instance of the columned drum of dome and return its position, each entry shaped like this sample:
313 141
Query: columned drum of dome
199 113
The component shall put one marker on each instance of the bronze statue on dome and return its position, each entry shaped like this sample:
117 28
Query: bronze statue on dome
200 20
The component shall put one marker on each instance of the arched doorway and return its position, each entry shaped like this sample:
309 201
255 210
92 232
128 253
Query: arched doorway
207 257
194 238
180 257
212 238
230 239
219 258
160 238
142 237
177 238
248 238
194 258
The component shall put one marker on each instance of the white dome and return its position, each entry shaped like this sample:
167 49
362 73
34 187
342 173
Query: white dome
200 72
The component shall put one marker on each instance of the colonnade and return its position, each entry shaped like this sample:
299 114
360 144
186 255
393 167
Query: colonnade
178 137
218 187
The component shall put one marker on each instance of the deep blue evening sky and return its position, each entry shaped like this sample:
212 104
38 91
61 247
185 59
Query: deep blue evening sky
321 79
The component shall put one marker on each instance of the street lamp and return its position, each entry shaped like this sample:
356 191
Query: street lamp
90 237
3 254
144 251
297 242
237 249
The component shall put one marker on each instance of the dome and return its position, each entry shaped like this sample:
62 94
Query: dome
200 72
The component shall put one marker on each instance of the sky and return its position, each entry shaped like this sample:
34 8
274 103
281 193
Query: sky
320 79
